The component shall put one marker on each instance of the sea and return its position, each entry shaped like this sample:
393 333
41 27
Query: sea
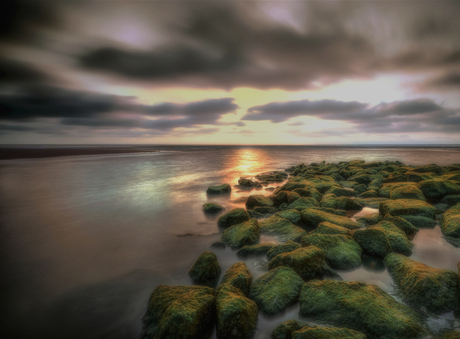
86 239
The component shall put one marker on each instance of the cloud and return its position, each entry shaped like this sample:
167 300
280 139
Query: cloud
12 71
446 81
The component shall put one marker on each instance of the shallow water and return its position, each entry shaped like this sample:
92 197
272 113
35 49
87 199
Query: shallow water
85 239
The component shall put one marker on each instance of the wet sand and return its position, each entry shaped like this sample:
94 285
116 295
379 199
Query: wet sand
6 153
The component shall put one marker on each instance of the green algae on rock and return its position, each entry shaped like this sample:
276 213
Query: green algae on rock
369 219
276 289
437 189
360 307
402 224
302 203
341 203
281 227
285 329
320 332
450 225
397 238
313 217
235 216
291 215
246 233
341 192
181 312
206 268
407 207
305 261
373 242
370 202
407 192
211 207
422 286
419 221
288 246
254 249
328 228
341 251
236 314
451 200
369 194
238 276
258 200
224 188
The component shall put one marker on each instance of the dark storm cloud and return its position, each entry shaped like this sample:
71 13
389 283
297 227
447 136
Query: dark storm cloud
420 115
447 81
12 71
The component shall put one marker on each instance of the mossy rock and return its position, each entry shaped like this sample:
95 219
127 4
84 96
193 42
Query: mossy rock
373 242
407 207
417 177
437 189
318 332
280 198
258 200
276 289
342 213
397 238
282 228
452 176
451 200
218 244
265 209
419 221
247 182
206 268
341 251
385 189
437 290
361 178
224 188
350 184
450 225
302 203
449 335
370 202
236 314
255 215
181 312
402 224
361 188
360 307
246 233
369 219
407 192
211 207
369 194
329 228
257 249
313 217
288 246
238 276
309 192
432 168
341 203
292 196
285 329
305 261
235 216
291 214
341 192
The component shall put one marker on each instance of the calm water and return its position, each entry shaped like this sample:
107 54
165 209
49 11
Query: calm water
85 239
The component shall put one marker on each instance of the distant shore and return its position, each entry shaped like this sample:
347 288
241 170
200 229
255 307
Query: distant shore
15 153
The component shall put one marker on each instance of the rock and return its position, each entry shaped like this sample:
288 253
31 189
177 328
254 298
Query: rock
407 192
257 249
451 200
292 196
422 286
369 219
342 213
218 244
301 203
350 184
341 203
224 188
450 225
371 164
432 168
283 228
417 177
313 217
291 215
255 215
361 307
236 314
419 221
441 208
361 178
328 228
341 192
285 330
373 242
211 207
280 198
309 192
247 182
180 312
206 268
265 209
360 188
288 246
276 289
320 332
395 177
449 335
341 251
369 194
437 189
235 216
258 200
305 261
397 238
238 276
407 207
246 233
385 189
402 224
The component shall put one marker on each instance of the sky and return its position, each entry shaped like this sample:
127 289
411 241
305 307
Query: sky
229 72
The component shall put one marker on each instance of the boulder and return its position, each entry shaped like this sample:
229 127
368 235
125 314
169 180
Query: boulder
370 202
236 314
419 285
373 242
238 276
360 307
328 228
341 192
292 196
369 219
265 209
342 213
341 203
309 192
397 238
385 189
211 207
417 177
437 189
247 182
451 200
246 233
180 312
369 194
224 188
341 251
361 188
282 228
218 244
257 249
288 246
280 198
305 261
419 221
432 168
407 192
285 330
313 217
206 268
291 215
407 207
235 216
258 200
320 332
276 289
450 225
302 203
402 224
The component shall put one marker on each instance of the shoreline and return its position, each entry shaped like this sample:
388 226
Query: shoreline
10 154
